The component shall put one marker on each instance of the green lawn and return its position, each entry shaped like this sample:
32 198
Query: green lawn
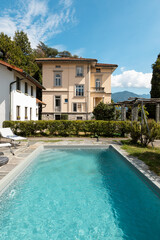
149 155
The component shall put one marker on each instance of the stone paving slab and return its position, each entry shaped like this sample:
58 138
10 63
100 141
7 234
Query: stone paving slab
8 167
2 175
21 152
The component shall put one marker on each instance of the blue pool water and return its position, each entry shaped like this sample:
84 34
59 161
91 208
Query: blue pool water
79 194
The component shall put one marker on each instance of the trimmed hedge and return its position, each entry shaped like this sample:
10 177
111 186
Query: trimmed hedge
69 128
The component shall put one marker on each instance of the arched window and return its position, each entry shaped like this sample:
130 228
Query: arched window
57 81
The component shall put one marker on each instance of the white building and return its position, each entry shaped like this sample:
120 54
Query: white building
17 94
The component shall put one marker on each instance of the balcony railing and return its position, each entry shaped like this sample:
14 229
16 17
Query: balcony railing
98 89
57 109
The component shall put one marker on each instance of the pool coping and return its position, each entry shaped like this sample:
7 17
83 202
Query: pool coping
152 179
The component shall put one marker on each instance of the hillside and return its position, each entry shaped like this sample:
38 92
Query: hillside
122 96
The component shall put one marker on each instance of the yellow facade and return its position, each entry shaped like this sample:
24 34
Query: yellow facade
74 86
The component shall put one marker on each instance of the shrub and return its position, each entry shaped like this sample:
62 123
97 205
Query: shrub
68 128
123 127
151 135
135 131
104 112
141 133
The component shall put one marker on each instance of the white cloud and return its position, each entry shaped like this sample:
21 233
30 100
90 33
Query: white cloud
66 3
36 19
7 25
131 78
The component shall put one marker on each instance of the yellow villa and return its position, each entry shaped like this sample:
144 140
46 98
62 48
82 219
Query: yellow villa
74 86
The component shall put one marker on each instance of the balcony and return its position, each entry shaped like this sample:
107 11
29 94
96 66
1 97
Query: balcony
98 89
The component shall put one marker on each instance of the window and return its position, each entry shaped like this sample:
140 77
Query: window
74 107
26 113
57 103
79 118
79 71
18 84
58 66
57 100
18 112
31 90
26 87
57 79
66 100
98 70
30 113
80 90
98 83
79 107
57 117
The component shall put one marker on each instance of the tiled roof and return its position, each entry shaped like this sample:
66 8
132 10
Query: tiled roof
23 73
11 66
70 59
40 102
106 65
65 59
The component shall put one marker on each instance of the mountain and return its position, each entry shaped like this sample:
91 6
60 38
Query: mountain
122 96
145 96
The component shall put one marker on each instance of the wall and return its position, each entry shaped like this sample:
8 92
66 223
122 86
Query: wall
104 75
67 88
17 97
6 77
105 81
20 98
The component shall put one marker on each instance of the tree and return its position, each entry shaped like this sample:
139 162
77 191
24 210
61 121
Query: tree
21 39
28 57
64 54
155 87
11 52
155 82
43 50
104 112
20 53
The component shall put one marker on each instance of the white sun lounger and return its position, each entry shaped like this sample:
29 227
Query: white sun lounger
7 133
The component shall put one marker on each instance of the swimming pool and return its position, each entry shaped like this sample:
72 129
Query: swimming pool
79 194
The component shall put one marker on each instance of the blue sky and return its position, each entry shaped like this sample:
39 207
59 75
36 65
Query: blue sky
124 32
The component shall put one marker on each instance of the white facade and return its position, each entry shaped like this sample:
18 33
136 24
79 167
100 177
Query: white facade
10 98
23 100
5 79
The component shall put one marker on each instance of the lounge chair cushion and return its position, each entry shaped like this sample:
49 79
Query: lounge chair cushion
15 137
